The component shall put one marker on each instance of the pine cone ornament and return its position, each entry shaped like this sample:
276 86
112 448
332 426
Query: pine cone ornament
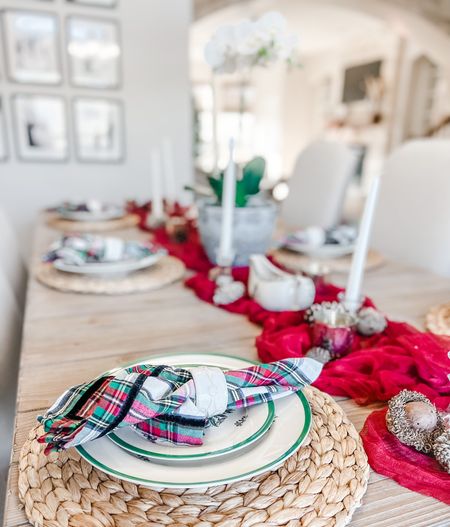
321 355
414 420
370 322
441 450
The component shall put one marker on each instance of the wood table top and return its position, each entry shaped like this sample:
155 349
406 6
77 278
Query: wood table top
69 338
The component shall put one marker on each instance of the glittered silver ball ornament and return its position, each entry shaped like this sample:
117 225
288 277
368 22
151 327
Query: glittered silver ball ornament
321 355
370 322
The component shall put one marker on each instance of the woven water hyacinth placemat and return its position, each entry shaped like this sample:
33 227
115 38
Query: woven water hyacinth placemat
61 224
301 262
319 486
438 320
165 272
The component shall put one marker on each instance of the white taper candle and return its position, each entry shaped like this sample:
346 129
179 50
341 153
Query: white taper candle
214 112
157 199
225 255
352 296
170 182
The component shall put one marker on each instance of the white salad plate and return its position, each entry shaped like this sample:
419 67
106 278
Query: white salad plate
281 440
237 431
106 213
110 268
329 250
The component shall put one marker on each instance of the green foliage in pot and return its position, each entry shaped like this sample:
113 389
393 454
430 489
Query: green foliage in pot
246 186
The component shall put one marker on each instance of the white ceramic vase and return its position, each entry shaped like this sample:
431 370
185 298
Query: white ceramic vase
253 228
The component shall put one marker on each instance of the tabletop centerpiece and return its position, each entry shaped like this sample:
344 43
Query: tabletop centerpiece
334 324
238 49
253 215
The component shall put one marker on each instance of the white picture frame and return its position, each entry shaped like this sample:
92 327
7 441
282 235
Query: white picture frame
94 52
31 42
4 152
99 130
41 127
95 3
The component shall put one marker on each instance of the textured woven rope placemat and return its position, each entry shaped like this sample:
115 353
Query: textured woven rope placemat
319 486
438 320
128 221
300 262
165 272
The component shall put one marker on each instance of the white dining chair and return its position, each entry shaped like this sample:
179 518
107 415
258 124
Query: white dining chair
318 184
12 295
11 261
412 223
10 335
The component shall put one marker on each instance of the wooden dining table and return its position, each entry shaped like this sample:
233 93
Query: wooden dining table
70 338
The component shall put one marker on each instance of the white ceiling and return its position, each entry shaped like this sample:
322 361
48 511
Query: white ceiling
319 25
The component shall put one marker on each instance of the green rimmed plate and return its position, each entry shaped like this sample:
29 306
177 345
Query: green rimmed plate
237 430
284 437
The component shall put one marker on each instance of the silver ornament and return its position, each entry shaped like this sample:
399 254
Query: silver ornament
321 355
370 322
227 290
399 424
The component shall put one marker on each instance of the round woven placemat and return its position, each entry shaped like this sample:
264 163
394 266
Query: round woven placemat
319 486
60 224
438 320
300 262
165 272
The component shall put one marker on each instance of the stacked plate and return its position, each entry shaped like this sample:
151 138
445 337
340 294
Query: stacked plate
322 244
90 211
238 446
125 258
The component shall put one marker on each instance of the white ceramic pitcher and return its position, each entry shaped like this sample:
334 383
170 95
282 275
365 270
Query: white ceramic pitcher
277 290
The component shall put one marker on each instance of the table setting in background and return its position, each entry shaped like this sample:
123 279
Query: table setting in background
90 215
84 261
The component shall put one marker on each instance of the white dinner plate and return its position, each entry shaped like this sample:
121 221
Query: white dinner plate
108 212
322 252
109 268
285 436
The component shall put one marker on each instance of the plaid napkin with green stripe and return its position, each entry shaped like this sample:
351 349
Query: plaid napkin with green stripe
163 403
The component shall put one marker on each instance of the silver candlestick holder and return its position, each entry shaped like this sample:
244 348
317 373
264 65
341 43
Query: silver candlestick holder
333 328
352 306
153 222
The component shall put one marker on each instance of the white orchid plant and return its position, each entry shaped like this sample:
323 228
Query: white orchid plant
240 47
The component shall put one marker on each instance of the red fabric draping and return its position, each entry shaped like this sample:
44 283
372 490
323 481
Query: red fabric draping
406 466
376 369
190 252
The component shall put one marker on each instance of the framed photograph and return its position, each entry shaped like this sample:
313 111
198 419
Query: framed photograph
95 3
32 47
41 127
355 80
3 136
99 130
94 52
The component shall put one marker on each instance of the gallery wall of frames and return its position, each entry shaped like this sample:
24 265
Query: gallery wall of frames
72 58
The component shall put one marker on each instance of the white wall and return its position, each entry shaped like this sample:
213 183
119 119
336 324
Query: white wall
156 94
